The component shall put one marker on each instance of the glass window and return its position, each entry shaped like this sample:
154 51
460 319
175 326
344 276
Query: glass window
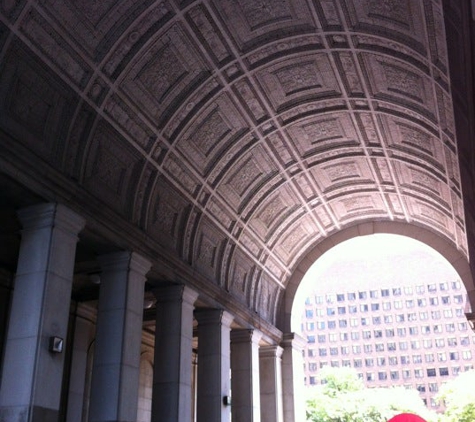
409 303
425 329
403 345
389 332
386 306
357 363
401 331
352 309
464 341
439 342
450 328
381 361
408 290
405 360
420 289
368 348
332 337
444 286
421 388
309 313
438 328
384 292
331 324
415 345
369 362
433 387
354 322
433 301
413 331
310 339
379 347
365 321
441 356
366 334
418 373
318 300
392 360
364 308
455 285
375 306
321 325
467 354
429 358
330 297
412 316
421 302
373 294
396 291
362 295
377 320
356 348
448 313
398 304
406 374
454 355
445 300
391 346
458 299
330 311
417 358
378 333
351 296
370 376
344 336
423 316
342 323
388 319
382 376
340 297
355 335
345 350
452 341
462 326
435 315
431 288
341 310
444 371
322 338
334 351
427 343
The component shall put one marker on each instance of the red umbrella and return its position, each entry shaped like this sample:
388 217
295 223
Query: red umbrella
406 417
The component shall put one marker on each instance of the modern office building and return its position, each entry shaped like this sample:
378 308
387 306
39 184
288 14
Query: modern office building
169 170
399 321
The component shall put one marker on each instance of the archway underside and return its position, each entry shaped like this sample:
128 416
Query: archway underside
234 136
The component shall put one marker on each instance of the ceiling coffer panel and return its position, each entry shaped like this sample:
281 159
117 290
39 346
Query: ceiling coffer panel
237 135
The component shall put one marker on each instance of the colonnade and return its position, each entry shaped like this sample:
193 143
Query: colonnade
236 373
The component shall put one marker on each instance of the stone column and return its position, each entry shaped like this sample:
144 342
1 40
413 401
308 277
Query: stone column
32 374
293 378
245 375
173 371
84 331
270 369
116 367
213 365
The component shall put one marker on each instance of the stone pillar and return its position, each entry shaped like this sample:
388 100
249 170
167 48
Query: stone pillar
245 375
293 378
32 374
213 365
173 368
116 367
270 369
84 331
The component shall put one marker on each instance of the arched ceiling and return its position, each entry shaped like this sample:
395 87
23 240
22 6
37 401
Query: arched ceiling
237 134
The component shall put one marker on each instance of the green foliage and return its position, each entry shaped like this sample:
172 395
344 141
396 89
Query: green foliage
343 398
459 398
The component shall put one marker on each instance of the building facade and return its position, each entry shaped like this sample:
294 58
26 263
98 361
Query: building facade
414 336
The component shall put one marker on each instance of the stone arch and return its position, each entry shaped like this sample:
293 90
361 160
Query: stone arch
447 249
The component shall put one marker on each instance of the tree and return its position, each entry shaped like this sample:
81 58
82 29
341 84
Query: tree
459 398
342 397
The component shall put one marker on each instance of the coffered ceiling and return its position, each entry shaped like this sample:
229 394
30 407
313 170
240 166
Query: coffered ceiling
235 135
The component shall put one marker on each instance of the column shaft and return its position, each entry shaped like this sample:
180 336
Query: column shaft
116 367
245 375
293 378
270 368
32 375
213 365
172 378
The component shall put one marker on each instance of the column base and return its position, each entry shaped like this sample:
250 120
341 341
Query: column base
28 414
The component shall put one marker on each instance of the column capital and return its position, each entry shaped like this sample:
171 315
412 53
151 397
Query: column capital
273 351
213 316
175 292
123 261
245 335
294 341
49 214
